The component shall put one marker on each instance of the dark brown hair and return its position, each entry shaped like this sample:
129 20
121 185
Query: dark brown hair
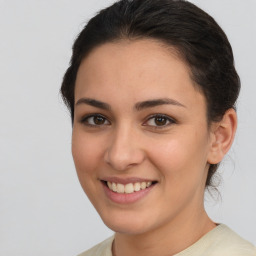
177 23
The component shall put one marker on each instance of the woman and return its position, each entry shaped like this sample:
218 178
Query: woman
152 90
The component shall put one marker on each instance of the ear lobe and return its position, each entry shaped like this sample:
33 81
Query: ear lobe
222 136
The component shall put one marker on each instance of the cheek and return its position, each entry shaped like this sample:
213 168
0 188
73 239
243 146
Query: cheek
180 158
86 154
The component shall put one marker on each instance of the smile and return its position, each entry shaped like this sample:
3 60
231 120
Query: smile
127 191
128 188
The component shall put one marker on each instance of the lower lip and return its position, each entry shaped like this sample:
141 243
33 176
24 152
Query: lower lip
123 198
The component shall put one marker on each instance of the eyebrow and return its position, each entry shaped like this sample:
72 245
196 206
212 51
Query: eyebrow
138 106
93 103
157 102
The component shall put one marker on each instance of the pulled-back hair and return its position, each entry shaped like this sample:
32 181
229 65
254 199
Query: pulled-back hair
195 35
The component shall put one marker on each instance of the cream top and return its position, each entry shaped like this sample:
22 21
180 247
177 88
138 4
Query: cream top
220 241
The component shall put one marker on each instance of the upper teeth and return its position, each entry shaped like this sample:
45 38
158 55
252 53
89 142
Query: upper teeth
128 188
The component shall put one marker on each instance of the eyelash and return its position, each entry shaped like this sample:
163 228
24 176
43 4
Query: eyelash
85 119
168 119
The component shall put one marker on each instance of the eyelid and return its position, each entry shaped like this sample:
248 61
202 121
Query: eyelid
86 117
169 119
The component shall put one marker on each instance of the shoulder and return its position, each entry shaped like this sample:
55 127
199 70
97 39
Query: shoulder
101 249
221 241
230 243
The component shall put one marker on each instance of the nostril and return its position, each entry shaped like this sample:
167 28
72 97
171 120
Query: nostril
123 154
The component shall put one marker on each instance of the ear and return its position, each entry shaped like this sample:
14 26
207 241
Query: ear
222 136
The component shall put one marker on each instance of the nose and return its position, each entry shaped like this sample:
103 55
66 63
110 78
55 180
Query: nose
124 150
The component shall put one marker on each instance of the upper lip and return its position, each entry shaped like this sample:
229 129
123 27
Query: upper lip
126 180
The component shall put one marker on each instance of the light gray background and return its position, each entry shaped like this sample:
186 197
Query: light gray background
43 210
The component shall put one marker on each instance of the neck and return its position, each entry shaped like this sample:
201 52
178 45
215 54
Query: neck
167 240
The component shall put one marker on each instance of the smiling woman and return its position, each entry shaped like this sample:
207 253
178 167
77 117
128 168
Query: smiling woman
152 90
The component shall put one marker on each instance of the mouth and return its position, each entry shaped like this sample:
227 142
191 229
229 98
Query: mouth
128 188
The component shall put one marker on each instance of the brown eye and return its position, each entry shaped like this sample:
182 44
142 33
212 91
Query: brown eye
98 120
95 120
159 121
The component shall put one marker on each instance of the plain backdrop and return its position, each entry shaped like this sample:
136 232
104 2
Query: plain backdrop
43 210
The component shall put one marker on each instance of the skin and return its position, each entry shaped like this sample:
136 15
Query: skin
129 143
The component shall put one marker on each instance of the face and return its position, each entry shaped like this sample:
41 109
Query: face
140 137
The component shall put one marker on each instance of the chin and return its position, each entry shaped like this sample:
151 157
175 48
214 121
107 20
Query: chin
127 228
126 223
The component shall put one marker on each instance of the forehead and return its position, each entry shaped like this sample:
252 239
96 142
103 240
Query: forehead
141 69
